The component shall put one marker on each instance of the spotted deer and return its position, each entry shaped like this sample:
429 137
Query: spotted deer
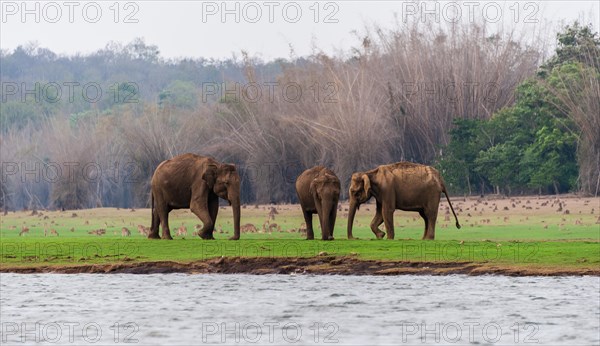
181 231
249 228
23 230
143 230
98 232
302 228
125 232
272 213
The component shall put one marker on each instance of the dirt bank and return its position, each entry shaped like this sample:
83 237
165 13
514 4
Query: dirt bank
322 265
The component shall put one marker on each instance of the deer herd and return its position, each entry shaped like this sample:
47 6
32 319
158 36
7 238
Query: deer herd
269 226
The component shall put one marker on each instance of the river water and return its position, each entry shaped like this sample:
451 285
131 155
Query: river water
173 309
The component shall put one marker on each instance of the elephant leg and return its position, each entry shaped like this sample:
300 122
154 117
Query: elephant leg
426 220
213 210
430 220
201 210
308 216
377 220
163 214
388 219
332 218
155 224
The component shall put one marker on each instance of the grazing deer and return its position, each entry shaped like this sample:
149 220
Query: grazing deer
23 230
98 232
182 231
125 232
53 232
143 230
248 228
272 213
302 228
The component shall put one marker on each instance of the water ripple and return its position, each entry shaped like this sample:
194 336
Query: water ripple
180 309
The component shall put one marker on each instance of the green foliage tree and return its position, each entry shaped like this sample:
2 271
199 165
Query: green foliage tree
572 80
181 94
575 43
16 115
533 144
458 162
550 160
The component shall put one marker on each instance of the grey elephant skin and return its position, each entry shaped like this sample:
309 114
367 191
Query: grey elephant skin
318 190
195 182
403 185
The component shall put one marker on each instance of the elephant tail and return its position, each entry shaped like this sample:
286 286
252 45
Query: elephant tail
451 208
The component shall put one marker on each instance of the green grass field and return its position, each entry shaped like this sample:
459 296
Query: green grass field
522 232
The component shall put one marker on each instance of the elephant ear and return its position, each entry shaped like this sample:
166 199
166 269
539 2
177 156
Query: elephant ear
227 167
367 184
210 175
312 189
327 177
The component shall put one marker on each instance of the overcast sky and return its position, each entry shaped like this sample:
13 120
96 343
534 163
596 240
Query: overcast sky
266 29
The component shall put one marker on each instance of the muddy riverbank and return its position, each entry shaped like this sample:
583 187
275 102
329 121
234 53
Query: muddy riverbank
320 265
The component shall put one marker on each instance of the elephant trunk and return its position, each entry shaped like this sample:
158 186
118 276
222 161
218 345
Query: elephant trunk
351 213
328 208
235 205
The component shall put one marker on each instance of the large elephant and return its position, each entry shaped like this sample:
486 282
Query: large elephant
195 182
318 190
403 185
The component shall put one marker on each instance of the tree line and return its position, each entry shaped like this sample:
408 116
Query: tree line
489 109
548 141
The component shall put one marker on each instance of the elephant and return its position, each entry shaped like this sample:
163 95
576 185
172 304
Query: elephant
318 190
195 182
404 185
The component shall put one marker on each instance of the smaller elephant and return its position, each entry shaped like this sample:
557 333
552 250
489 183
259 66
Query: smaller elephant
318 190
